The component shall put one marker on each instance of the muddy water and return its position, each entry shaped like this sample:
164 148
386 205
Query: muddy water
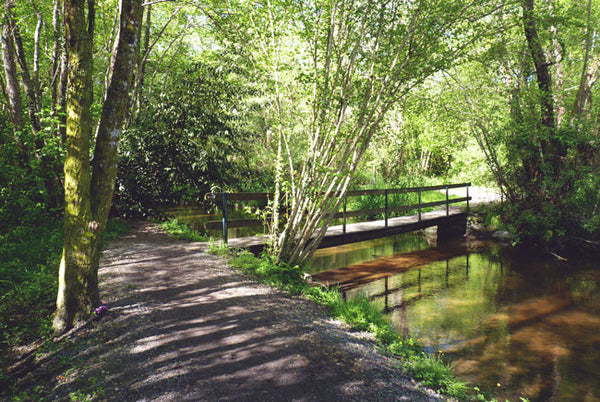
509 321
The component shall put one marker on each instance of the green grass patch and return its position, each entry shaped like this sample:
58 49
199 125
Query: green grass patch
181 231
217 248
280 276
362 315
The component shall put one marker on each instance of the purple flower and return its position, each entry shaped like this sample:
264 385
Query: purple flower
100 311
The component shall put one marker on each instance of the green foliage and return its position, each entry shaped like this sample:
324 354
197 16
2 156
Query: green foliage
542 157
281 276
182 231
433 372
29 260
114 229
185 142
89 390
584 203
23 192
219 248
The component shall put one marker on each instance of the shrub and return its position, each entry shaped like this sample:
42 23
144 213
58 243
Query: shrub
182 231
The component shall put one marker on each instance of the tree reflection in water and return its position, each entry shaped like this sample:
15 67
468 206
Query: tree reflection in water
503 317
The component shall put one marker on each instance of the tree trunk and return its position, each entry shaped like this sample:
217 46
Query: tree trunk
33 103
552 151
61 96
36 56
56 56
114 109
541 65
140 71
588 78
559 73
78 286
88 196
15 105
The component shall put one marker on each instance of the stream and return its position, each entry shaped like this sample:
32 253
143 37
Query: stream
510 321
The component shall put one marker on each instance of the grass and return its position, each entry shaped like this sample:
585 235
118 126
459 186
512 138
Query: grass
362 315
181 231
29 260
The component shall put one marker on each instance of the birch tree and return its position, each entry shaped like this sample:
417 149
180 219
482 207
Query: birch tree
361 58
13 91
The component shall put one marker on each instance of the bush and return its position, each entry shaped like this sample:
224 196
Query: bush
30 256
183 144
182 231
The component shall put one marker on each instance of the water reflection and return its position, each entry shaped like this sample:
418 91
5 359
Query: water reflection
196 218
501 316
337 257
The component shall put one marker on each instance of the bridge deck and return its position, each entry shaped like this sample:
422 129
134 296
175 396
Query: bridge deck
362 231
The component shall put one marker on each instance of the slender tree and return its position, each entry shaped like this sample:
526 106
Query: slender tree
364 57
13 91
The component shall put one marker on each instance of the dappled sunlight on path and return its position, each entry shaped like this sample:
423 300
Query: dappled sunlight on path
183 326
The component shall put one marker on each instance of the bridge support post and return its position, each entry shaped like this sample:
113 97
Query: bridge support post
386 208
225 218
447 202
419 204
344 217
467 198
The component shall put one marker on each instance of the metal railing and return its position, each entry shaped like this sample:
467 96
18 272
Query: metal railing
225 198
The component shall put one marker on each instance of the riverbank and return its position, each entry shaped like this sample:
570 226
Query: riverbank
182 325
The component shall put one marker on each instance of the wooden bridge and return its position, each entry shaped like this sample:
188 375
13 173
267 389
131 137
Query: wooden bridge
450 220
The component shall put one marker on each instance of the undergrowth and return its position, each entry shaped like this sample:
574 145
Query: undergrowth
181 231
29 259
362 315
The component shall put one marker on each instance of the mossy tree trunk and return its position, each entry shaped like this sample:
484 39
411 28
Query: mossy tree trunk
114 109
88 190
77 288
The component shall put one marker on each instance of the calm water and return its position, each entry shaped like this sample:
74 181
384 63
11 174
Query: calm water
196 218
508 320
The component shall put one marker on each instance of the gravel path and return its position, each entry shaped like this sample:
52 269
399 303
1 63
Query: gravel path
182 326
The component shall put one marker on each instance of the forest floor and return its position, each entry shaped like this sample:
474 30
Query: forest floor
183 326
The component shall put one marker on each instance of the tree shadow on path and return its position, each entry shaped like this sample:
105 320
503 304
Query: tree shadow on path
183 326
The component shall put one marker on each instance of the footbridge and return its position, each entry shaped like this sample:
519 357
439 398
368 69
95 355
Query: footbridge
393 211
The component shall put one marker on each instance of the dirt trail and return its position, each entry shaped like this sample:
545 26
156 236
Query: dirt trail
183 326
